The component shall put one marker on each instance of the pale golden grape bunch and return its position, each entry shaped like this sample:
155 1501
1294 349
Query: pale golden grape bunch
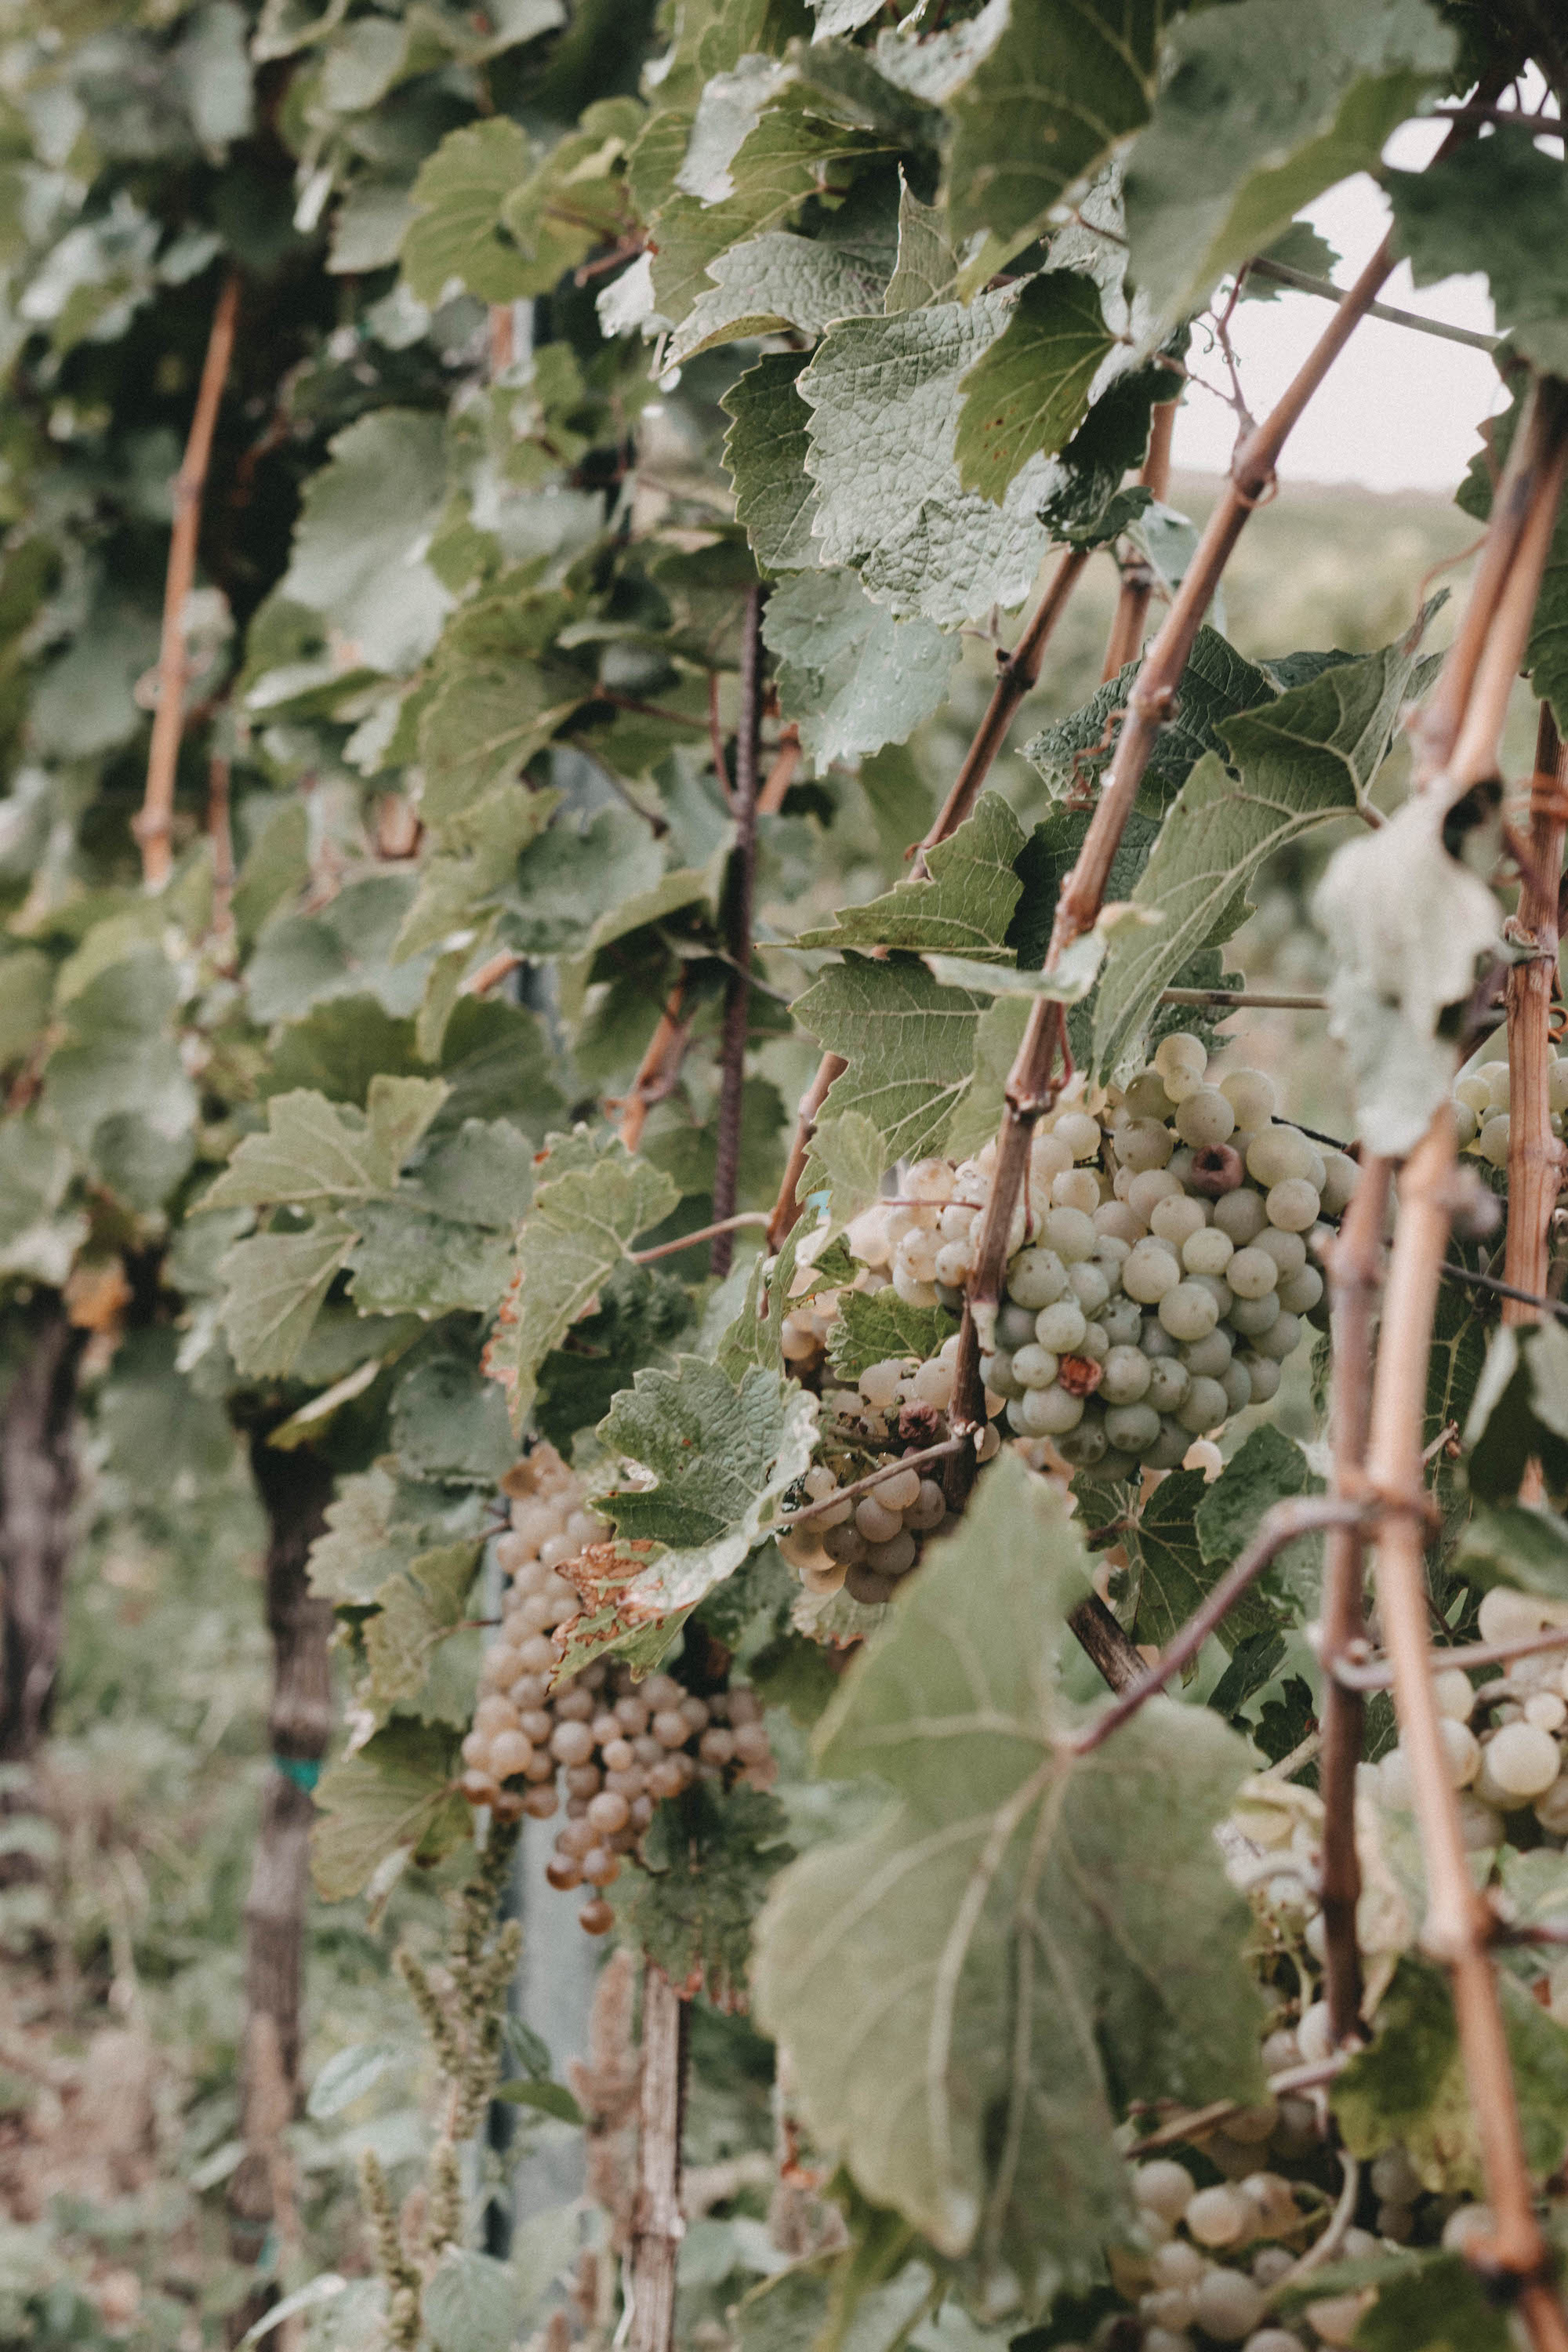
1159 1266
599 1747
1481 1108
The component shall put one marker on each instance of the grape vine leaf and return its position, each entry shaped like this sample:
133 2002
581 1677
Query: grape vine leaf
711 1860
273 1286
1083 1902
1028 394
1512 1543
765 453
396 1796
885 402
1409 2083
456 229
1236 147
927 266
1217 684
416 1609
1066 80
1498 205
773 282
406 1260
316 1151
721 1451
965 908
909 1042
794 149
364 519
364 1542
1172 1573
1435 2305
851 675
642 1312
871 1325
590 1203
1305 757
847 1163
1407 926
1267 1468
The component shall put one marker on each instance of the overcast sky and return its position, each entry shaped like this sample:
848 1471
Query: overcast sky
1399 410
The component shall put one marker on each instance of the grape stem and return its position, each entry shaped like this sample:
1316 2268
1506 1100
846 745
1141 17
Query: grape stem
1535 1158
1354 1261
1375 1674
657 2225
1457 1924
872 1478
742 882
1329 2241
155 824
1179 2128
659 1068
702 1234
1280 1525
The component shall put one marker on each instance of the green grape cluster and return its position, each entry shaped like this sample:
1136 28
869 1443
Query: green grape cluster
1481 1108
1160 1269
615 1747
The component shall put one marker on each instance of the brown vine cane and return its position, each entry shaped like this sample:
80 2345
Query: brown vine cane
153 826
1031 1083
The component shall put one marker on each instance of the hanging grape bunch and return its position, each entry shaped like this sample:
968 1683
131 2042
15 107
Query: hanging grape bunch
615 1747
1481 1108
1160 1267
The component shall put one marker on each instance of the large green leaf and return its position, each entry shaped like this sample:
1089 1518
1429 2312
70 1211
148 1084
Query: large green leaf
1306 757
910 1044
1500 205
1217 684
457 199
885 400
1267 104
273 1287
765 452
789 154
590 1203
1068 81
965 910
851 675
396 1795
1409 2085
945 1985
1028 394
365 519
722 1453
775 281
315 1151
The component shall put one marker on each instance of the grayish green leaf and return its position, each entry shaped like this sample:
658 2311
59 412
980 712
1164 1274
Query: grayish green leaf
927 266
945 1984
457 197
775 281
1028 392
1308 756
397 1794
273 1286
363 521
349 2074
965 908
910 1044
851 676
885 400
471 2303
1497 205
1066 80
589 1205
765 452
1237 145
